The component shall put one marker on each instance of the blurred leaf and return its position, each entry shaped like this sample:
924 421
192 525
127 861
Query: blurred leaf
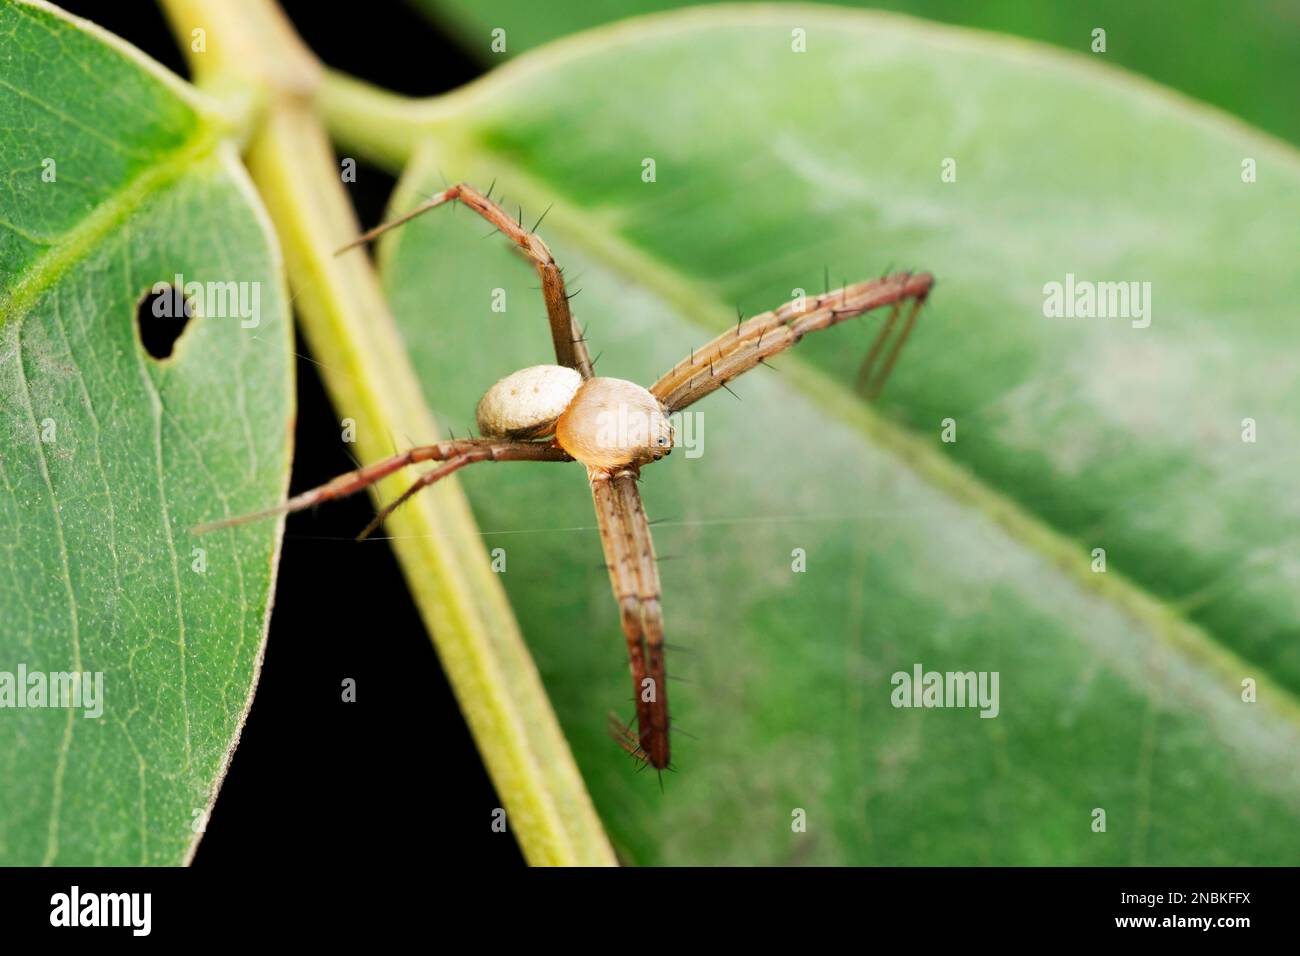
1245 60
111 456
1119 690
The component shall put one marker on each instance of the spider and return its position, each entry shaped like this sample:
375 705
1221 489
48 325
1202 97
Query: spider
565 413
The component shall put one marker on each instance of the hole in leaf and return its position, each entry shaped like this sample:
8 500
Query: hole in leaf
161 316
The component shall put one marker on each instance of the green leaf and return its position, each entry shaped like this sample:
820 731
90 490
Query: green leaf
110 456
1183 44
1119 690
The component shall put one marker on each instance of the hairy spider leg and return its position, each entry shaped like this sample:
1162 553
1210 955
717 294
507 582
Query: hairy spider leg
870 379
634 578
567 337
457 453
749 343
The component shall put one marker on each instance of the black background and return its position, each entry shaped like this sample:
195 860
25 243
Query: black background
395 776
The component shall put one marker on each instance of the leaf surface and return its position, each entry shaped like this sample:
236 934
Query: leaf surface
1245 63
111 456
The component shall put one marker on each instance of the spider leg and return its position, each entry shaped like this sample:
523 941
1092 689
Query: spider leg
624 737
871 380
749 343
457 453
424 481
877 346
634 577
567 337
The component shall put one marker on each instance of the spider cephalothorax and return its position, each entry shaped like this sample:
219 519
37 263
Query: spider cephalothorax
564 412
613 424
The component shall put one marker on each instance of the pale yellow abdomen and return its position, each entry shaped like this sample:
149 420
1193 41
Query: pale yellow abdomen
526 403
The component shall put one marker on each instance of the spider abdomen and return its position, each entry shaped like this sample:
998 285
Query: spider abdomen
612 423
526 403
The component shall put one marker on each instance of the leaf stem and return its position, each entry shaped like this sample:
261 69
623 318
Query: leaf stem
382 127
351 332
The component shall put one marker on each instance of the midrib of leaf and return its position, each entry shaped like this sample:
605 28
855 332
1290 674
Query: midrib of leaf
109 216
394 131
